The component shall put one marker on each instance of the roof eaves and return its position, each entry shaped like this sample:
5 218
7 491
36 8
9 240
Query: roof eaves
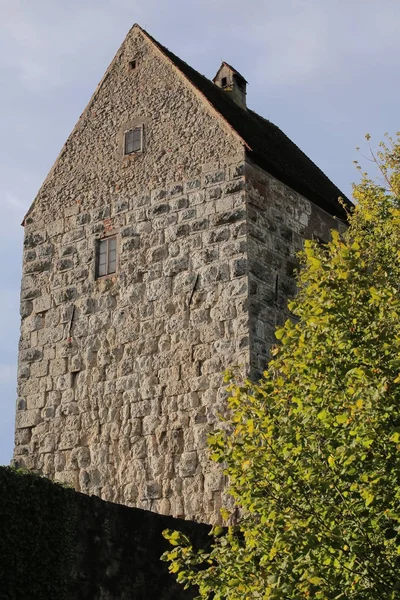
332 206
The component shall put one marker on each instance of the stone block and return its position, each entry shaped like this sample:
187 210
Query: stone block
76 364
228 217
213 274
173 266
25 308
48 413
65 295
48 443
53 398
176 189
239 267
193 184
27 418
232 187
30 355
157 195
31 240
72 210
186 215
81 456
177 204
68 440
64 382
188 464
20 404
35 401
55 228
159 289
215 177
150 424
138 447
216 236
23 436
152 490
40 368
140 409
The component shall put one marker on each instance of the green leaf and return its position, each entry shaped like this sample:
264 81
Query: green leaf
279 333
343 418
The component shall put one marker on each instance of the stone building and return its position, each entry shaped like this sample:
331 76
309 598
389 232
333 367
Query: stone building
159 251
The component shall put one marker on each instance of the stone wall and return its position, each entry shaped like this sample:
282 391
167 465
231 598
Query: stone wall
279 221
120 377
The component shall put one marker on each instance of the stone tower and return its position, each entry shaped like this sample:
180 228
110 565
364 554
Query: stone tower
159 251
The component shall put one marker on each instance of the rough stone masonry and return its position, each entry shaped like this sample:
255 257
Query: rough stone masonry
120 377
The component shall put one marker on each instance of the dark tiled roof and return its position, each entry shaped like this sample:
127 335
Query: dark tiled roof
269 147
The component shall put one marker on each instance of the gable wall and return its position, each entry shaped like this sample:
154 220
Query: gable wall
120 378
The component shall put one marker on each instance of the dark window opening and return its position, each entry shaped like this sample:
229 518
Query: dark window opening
132 64
133 140
106 257
223 82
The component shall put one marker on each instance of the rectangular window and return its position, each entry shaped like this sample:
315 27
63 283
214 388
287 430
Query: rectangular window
133 140
106 256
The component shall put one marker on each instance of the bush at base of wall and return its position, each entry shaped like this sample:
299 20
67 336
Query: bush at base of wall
58 544
37 522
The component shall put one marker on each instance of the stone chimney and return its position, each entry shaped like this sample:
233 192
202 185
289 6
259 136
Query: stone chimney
232 82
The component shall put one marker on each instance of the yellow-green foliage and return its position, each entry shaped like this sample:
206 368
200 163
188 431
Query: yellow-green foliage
314 461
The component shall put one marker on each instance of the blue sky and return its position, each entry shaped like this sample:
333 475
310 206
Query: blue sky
325 72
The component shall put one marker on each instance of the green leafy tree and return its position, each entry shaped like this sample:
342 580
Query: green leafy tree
313 450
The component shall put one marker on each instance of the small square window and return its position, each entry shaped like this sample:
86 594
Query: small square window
106 257
133 140
223 82
132 64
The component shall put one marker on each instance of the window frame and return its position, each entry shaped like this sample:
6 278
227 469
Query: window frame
98 244
132 130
